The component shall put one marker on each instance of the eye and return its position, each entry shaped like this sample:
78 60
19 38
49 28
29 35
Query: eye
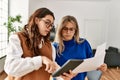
71 29
47 23
65 28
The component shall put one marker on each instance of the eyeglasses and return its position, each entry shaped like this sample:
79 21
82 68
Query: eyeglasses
69 29
48 23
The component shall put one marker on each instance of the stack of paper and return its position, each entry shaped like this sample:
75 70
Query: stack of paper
92 63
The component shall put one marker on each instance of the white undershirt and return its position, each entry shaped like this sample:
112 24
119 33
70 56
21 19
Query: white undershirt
16 65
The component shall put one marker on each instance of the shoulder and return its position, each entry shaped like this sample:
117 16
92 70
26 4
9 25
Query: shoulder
83 41
14 40
55 44
13 36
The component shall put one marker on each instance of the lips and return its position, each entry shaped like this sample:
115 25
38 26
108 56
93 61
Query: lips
67 35
47 31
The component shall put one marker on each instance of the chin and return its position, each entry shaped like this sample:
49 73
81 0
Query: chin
44 34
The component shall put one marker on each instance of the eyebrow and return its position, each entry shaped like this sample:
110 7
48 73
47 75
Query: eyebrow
68 27
48 20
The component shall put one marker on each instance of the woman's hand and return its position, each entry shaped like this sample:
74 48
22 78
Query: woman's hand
68 76
103 67
50 65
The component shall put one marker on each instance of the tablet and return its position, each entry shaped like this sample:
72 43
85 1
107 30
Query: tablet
69 65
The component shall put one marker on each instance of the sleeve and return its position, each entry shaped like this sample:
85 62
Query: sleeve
53 52
54 55
57 78
17 66
55 44
88 49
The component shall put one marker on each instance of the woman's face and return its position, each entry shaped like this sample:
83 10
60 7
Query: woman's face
45 24
68 31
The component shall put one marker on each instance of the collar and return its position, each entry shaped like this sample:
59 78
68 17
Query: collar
69 43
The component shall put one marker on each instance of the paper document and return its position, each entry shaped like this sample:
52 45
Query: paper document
94 62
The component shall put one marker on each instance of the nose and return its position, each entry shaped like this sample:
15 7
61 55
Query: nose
68 31
50 27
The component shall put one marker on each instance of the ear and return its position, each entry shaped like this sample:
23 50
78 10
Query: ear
37 20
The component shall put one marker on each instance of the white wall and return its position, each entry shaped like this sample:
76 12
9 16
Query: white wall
92 16
19 7
114 24
99 20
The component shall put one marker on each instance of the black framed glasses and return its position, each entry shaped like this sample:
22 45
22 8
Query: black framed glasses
48 23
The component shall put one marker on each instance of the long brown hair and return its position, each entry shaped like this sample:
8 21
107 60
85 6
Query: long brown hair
59 37
31 31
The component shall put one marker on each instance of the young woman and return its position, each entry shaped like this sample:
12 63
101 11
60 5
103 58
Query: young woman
70 46
30 54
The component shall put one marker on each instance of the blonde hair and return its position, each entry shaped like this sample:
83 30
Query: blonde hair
59 37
